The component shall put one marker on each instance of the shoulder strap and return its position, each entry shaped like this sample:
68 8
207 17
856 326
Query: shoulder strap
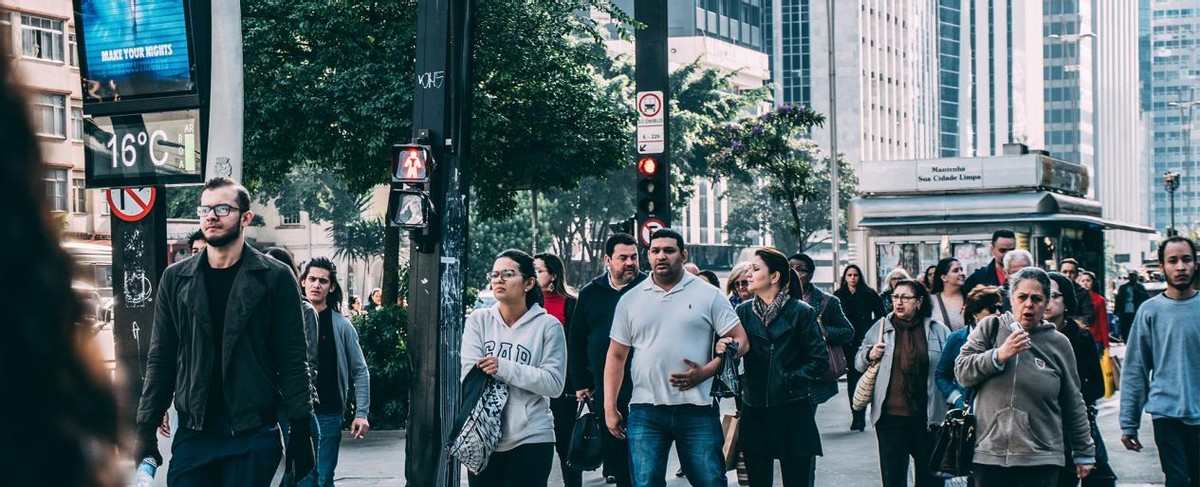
942 306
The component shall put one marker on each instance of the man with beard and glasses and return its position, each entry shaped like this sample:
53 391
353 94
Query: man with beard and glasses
588 343
668 322
1163 343
228 343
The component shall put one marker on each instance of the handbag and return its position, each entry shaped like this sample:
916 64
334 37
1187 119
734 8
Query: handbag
954 445
1110 377
729 451
585 451
480 432
865 390
837 356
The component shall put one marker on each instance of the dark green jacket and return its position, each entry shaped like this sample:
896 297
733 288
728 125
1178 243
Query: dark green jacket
264 346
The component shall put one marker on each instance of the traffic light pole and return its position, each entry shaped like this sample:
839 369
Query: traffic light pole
437 273
653 106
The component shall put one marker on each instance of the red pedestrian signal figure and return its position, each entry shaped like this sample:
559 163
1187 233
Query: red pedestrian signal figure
411 165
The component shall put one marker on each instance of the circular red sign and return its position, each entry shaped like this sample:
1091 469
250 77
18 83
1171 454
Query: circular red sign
131 204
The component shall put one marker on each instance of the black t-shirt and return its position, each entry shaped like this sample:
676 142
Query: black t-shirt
327 381
219 284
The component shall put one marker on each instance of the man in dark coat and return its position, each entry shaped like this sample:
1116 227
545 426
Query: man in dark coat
588 343
993 274
1130 297
228 344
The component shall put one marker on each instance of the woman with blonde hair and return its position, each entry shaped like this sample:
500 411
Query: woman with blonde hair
889 283
735 287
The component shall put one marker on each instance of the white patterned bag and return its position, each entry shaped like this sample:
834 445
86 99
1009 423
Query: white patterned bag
481 432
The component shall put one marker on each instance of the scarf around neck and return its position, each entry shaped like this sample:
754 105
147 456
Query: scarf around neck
767 312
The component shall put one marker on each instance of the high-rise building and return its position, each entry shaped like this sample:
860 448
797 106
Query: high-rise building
914 78
1120 165
1174 98
41 36
1070 72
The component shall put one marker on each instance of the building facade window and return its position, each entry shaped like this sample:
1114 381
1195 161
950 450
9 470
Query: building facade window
76 123
81 196
72 50
289 219
56 189
42 38
50 114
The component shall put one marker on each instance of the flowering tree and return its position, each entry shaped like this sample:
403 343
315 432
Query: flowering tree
771 154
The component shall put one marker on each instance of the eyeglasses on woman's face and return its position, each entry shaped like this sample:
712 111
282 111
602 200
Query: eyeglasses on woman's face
503 275
903 298
743 283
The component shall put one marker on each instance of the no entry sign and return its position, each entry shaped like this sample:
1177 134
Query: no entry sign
131 204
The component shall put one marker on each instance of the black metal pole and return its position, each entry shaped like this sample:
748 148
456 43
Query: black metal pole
441 120
650 74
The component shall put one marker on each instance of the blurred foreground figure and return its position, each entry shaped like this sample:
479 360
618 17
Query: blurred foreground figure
61 423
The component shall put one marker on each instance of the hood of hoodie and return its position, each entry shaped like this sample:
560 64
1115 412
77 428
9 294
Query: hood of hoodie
532 313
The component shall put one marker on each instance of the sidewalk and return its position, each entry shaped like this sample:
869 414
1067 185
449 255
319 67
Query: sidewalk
850 457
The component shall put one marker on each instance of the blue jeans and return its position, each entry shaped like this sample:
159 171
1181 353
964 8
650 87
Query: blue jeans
696 432
327 439
215 457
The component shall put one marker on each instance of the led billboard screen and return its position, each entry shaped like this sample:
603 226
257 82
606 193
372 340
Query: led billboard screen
134 49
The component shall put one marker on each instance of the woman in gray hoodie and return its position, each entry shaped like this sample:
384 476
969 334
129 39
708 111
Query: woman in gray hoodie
518 343
1027 395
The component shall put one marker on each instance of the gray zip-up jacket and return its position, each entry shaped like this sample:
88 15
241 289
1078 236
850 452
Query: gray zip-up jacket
1024 405
935 337
350 363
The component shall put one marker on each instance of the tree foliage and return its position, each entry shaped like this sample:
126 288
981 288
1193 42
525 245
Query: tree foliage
492 236
543 117
329 85
770 155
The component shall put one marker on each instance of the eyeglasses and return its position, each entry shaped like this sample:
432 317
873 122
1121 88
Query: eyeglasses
503 275
903 298
743 283
221 210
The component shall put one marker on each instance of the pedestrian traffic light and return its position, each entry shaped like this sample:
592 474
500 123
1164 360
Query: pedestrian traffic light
411 163
653 191
409 204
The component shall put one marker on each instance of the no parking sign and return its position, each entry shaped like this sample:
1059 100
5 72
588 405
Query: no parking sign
131 204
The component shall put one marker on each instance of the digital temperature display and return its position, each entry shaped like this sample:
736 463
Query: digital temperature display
143 150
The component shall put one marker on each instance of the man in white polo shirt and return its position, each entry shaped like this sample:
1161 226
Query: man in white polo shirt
669 321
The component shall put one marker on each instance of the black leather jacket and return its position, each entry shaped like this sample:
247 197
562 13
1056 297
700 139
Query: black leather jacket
784 357
264 349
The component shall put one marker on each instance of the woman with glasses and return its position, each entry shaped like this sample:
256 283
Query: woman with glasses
735 287
1061 306
519 344
906 405
983 302
947 293
863 308
787 351
560 299
889 283
1027 400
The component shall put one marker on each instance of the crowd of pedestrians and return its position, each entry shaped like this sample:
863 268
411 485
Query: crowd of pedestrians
243 343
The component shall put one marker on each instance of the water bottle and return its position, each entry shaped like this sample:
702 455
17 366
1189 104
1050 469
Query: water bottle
145 472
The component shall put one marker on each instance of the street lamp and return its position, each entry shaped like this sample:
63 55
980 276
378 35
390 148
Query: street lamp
1185 112
1171 183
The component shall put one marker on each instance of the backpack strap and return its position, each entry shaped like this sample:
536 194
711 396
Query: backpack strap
942 306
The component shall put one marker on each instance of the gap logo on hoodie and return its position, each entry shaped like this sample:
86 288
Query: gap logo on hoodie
523 355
